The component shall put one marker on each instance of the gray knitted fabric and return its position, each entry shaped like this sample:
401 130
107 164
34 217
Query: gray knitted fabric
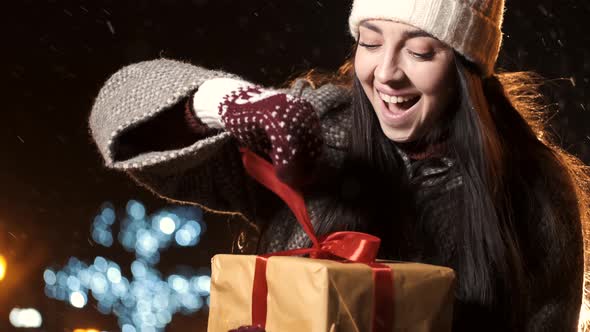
209 173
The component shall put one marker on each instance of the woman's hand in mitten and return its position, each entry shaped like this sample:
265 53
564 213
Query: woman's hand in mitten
271 123
278 125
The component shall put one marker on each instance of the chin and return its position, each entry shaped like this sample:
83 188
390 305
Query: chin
398 137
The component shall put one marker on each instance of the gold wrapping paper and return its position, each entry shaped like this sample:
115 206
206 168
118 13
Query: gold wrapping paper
316 295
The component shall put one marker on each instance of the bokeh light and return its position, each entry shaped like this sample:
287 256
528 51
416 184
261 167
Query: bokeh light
135 210
2 267
114 275
25 318
201 284
73 283
78 299
146 300
128 328
49 277
167 225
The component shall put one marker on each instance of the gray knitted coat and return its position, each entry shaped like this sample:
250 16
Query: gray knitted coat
209 173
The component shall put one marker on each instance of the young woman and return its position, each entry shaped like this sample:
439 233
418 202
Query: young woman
416 139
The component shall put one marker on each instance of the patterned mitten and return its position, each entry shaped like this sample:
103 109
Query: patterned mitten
278 125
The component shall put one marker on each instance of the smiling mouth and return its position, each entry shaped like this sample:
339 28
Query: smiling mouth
403 106
399 103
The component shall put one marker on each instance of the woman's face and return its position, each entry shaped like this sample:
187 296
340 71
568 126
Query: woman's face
408 76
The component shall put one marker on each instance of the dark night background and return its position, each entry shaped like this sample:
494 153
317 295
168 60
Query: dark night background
52 181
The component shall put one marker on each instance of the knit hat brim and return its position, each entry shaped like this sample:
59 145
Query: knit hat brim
455 22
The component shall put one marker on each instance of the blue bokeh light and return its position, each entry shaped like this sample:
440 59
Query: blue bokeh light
114 275
193 227
147 243
78 299
183 237
127 239
49 277
138 269
166 225
100 264
98 283
61 294
147 301
73 283
178 283
201 284
101 227
128 328
135 210
108 215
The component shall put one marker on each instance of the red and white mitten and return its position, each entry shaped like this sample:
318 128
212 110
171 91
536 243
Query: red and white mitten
271 123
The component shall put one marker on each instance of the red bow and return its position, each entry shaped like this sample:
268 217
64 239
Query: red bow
348 246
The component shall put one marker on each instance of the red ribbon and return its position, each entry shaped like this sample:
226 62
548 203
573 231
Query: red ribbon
350 247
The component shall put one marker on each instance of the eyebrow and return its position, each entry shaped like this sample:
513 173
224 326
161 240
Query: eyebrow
407 34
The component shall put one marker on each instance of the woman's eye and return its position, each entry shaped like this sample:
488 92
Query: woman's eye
422 56
367 45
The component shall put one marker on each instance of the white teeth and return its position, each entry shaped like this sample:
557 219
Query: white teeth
395 99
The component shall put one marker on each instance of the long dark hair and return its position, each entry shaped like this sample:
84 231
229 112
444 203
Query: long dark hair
473 139
495 133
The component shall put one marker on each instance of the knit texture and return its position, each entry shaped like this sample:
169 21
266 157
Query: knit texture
209 173
210 94
195 123
278 125
471 27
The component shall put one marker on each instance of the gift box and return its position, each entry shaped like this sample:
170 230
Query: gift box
319 295
340 287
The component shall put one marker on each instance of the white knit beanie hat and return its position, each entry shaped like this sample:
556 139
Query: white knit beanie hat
471 27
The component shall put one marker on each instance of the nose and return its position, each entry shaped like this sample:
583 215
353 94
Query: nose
389 69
